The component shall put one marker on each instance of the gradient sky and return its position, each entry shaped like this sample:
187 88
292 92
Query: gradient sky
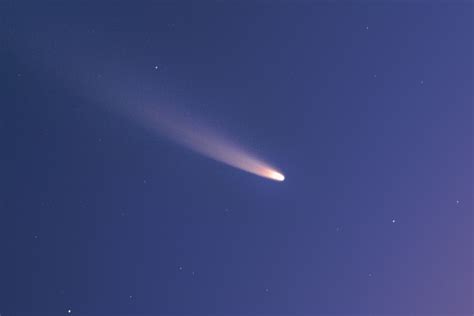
367 108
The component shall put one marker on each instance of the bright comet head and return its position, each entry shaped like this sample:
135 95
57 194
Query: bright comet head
274 175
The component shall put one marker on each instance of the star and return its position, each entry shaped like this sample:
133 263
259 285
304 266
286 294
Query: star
393 221
156 67
69 311
457 201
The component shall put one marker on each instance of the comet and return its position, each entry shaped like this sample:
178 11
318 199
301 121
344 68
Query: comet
196 136
133 96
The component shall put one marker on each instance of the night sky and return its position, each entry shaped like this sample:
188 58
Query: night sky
366 107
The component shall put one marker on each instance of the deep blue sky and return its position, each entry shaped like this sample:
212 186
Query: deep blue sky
367 107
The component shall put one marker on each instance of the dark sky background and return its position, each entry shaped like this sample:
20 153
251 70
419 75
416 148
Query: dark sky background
366 107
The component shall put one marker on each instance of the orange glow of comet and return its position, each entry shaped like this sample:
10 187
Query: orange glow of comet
274 175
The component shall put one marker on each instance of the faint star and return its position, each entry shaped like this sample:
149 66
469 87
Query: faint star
457 201
156 67
370 274
393 221
367 27
180 268
421 81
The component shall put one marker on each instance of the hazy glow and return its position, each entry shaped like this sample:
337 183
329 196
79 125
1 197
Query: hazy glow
195 136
